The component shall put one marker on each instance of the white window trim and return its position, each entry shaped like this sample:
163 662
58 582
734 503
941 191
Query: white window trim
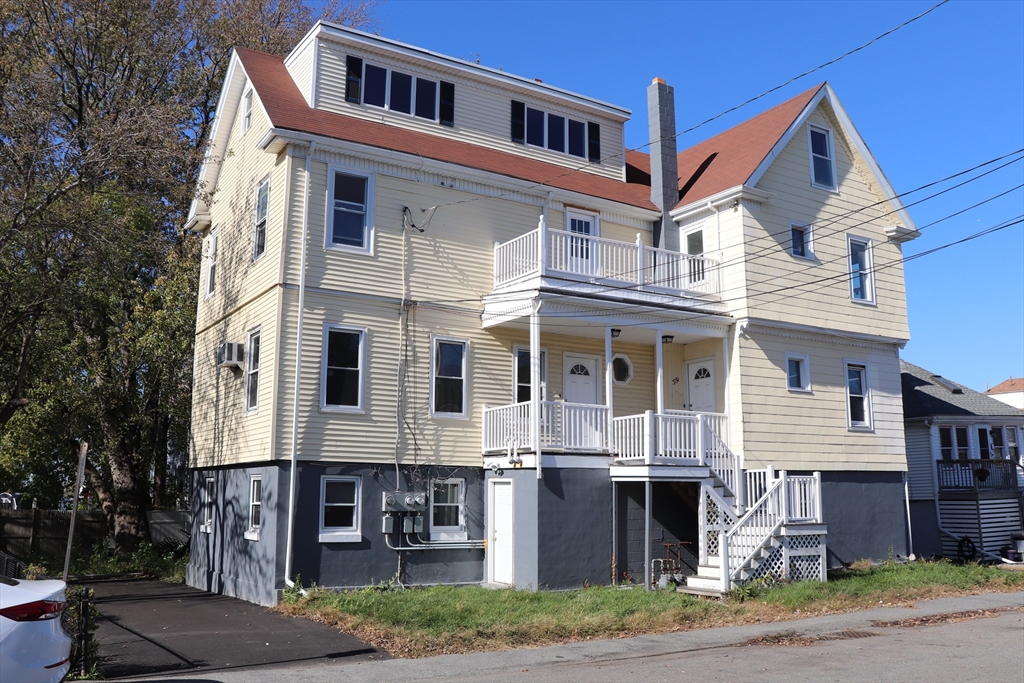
868 425
369 233
629 362
341 534
464 415
684 237
805 373
257 333
211 261
450 533
207 526
516 348
870 276
252 533
809 246
256 220
593 217
830 137
247 106
363 336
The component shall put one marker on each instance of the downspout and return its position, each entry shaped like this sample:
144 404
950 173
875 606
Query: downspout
292 475
910 529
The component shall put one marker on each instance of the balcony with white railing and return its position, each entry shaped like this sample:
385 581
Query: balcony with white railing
627 267
677 437
571 427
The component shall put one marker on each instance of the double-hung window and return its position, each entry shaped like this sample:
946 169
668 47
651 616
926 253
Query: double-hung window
823 167
247 111
339 509
259 240
522 374
800 240
448 375
252 372
252 533
377 86
344 357
862 284
858 396
351 215
447 510
798 374
953 443
556 132
211 262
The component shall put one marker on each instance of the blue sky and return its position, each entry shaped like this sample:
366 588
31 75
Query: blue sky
938 96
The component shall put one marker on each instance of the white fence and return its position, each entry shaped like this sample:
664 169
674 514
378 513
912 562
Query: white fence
543 250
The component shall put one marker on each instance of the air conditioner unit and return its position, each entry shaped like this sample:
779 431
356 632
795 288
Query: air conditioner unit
230 355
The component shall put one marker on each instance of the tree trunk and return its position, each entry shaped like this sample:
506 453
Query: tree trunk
130 526
103 495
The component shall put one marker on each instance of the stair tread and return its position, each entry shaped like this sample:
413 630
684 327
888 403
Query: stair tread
706 592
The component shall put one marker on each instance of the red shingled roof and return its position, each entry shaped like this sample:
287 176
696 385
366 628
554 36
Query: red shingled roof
287 109
1008 387
732 156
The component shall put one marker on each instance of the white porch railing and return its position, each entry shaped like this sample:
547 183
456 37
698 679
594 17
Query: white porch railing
563 426
542 251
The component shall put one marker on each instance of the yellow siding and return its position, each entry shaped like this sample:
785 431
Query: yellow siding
818 300
802 431
482 111
676 358
233 214
222 432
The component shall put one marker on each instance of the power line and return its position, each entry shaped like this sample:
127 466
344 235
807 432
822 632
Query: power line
589 164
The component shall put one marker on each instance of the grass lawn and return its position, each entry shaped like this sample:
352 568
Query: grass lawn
419 622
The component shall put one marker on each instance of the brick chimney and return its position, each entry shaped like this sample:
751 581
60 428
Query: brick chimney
661 122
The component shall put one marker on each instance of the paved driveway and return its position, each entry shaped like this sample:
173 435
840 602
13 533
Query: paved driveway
151 627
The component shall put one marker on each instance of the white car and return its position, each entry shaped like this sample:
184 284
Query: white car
33 646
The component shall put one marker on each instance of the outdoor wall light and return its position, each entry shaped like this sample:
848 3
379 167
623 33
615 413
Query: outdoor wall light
667 338
616 332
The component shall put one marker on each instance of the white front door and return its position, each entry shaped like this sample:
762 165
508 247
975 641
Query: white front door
700 386
501 541
581 260
580 380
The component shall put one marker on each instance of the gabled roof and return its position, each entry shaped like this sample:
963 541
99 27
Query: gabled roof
1009 386
925 396
730 158
287 109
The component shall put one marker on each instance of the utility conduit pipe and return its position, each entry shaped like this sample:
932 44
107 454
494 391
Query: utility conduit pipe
292 474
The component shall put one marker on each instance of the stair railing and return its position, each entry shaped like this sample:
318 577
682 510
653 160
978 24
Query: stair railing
717 517
752 531
717 455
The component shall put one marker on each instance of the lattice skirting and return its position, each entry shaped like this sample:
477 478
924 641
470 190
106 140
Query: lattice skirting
796 558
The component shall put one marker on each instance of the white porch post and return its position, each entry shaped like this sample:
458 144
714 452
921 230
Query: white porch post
542 245
659 363
609 375
647 534
535 404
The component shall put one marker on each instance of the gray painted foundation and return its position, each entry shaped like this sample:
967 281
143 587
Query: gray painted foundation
866 515
925 524
575 520
673 519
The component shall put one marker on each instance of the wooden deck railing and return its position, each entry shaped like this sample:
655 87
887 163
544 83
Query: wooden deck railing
980 475
542 251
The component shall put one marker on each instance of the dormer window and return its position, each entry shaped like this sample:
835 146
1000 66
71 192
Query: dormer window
823 167
558 133
377 86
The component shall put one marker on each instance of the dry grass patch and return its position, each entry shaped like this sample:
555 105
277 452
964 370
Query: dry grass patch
419 622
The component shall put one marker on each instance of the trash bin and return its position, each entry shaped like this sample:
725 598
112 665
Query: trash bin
1018 541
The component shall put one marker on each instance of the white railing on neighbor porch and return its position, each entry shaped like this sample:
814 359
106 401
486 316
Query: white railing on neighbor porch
542 251
563 426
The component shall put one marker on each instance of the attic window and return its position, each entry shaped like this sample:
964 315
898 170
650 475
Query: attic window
376 86
823 166
555 132
939 379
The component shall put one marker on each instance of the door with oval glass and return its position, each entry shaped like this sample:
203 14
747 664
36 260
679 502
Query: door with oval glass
700 385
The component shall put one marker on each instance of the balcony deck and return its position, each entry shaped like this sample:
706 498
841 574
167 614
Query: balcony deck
978 475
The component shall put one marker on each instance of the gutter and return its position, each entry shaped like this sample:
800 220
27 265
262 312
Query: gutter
292 474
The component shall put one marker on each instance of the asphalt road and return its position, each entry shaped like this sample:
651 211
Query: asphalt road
152 627
846 647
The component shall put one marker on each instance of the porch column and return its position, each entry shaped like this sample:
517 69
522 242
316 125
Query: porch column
535 403
647 533
659 364
609 376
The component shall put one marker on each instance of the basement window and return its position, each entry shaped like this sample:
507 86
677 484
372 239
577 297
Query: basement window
339 509
448 510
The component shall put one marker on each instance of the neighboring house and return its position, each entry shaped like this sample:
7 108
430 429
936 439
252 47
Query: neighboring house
527 358
965 476
1010 392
